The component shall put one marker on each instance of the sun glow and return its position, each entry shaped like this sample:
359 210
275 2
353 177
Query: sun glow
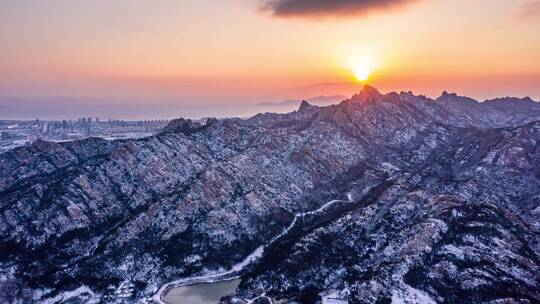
361 64
362 71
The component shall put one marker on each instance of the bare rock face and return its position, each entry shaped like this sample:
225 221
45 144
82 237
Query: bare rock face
444 206
305 106
181 125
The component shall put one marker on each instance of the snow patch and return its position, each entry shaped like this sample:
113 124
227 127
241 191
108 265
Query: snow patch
411 296
79 293
455 251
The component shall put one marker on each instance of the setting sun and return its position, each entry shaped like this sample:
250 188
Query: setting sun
362 70
362 73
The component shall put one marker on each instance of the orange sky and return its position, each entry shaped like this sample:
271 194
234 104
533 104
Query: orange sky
232 52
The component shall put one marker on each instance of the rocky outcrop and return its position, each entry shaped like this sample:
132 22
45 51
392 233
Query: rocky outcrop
181 125
80 221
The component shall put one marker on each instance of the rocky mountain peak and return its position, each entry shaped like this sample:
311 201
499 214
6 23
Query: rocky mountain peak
453 98
367 94
445 94
304 105
369 90
181 125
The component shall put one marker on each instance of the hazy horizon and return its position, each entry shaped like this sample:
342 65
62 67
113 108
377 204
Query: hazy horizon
72 108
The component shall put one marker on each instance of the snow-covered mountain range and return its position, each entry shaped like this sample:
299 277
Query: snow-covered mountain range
382 198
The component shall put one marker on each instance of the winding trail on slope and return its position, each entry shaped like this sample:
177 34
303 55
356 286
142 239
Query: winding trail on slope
239 269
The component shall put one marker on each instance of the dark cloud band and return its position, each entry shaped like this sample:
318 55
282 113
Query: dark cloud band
531 9
327 8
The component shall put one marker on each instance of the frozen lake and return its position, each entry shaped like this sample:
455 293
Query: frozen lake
202 293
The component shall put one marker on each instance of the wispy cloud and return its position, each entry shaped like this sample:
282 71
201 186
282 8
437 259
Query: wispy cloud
531 9
330 8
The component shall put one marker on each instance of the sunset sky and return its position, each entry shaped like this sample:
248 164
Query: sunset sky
169 58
